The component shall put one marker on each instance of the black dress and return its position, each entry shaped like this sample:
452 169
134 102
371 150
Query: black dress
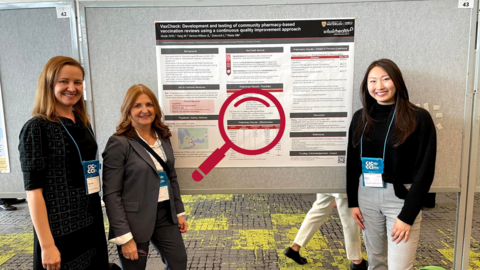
50 160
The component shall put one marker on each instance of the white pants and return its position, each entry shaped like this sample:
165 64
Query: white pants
320 212
380 208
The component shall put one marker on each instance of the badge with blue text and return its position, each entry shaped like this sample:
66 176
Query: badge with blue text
91 171
163 192
372 170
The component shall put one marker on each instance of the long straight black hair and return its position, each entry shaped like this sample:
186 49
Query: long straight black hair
405 121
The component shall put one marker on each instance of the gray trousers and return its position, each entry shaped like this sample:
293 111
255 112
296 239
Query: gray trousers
380 208
166 239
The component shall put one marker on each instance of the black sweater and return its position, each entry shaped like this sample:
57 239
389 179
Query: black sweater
413 162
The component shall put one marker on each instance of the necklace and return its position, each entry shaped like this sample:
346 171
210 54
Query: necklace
152 137
151 140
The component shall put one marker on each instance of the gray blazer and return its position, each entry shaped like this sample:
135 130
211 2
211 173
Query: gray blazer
131 185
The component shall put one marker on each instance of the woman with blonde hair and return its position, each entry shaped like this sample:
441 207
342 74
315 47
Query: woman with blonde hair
56 146
140 187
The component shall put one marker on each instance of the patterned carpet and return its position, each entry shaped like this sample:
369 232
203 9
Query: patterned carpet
250 231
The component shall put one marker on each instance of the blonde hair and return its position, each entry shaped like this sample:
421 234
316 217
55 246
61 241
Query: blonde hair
125 128
45 100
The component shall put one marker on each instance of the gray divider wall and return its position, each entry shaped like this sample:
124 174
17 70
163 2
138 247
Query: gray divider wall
122 53
427 39
28 39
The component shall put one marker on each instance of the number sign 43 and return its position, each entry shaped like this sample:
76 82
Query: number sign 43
465 3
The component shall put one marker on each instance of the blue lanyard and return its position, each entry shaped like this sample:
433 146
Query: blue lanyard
161 148
385 144
78 149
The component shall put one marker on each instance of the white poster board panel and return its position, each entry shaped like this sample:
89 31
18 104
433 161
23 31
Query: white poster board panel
4 160
307 65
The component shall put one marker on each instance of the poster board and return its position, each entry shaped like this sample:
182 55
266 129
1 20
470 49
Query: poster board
4 160
34 36
122 53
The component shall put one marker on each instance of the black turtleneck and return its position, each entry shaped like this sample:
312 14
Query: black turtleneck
413 162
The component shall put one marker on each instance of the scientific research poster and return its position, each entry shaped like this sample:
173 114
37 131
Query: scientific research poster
4 161
306 64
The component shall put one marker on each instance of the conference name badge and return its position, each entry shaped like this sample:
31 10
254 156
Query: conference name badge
163 192
372 170
91 172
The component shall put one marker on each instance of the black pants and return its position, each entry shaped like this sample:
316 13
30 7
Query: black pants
166 239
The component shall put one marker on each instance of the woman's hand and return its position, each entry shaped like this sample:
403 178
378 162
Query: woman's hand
400 230
357 215
182 223
129 250
51 258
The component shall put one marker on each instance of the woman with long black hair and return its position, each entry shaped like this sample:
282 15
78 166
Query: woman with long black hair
390 167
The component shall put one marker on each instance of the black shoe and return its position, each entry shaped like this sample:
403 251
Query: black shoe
114 266
14 201
7 207
362 266
294 255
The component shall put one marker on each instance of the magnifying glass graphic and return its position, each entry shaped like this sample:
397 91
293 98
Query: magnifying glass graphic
219 153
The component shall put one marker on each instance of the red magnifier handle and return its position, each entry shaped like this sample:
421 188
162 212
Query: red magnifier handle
210 162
